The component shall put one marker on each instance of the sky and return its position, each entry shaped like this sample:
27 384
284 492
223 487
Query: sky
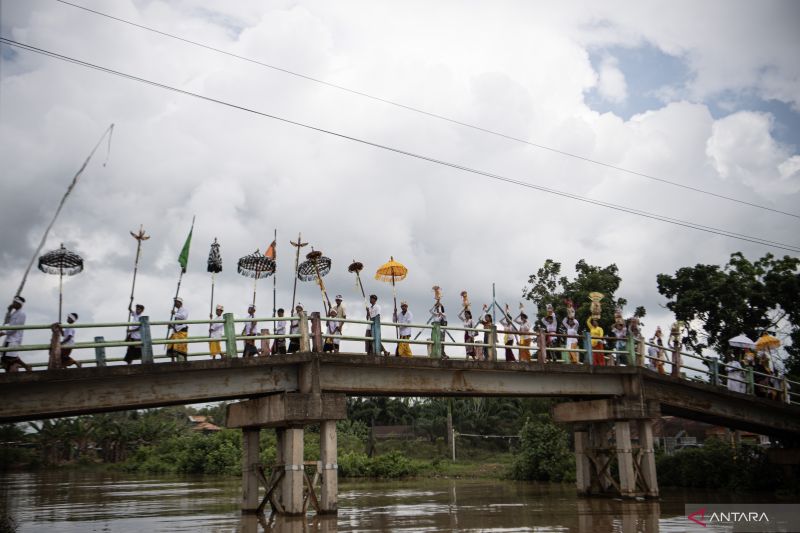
702 94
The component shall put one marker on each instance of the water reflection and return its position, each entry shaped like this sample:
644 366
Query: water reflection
75 501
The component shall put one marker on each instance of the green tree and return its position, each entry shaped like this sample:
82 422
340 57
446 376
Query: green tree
548 286
544 452
718 303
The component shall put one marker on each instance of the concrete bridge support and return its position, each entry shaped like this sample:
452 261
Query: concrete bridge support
603 435
288 487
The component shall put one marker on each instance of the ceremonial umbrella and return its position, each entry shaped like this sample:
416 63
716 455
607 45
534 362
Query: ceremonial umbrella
356 268
256 266
214 267
766 343
61 262
394 272
742 341
315 267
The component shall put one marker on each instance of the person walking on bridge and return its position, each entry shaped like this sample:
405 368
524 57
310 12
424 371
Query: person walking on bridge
550 324
10 360
469 336
596 332
736 377
250 330
404 317
294 329
571 326
179 350
525 332
215 332
134 334
373 312
279 345
68 341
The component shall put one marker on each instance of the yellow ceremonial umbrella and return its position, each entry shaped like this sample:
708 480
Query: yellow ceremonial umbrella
767 342
392 271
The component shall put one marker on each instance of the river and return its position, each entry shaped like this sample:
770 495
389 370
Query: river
83 501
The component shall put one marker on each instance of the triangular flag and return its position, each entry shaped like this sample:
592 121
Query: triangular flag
183 259
272 250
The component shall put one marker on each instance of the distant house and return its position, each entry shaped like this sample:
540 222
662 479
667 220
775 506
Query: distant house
673 433
203 424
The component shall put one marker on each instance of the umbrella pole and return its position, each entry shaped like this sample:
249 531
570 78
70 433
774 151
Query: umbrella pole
394 316
299 244
177 292
322 289
255 283
275 274
211 308
60 291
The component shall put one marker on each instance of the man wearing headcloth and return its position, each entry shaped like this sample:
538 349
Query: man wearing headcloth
134 334
572 327
179 350
341 314
404 317
68 341
10 360
294 329
250 330
373 311
550 325
215 331
279 345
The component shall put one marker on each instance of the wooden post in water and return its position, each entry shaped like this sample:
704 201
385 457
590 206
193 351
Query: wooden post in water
328 503
250 464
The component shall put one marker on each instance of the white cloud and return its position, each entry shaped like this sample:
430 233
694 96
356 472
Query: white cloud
523 70
742 148
611 81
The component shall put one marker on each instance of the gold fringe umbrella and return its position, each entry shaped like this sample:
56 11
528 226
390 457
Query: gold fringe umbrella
392 272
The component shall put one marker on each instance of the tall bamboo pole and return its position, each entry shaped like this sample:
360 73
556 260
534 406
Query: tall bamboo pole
299 244
140 236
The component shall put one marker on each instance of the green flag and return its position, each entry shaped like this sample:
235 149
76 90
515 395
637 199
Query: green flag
183 259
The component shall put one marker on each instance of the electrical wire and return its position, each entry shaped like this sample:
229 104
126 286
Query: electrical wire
431 114
498 177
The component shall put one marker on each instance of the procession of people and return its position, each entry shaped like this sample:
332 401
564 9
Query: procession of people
540 337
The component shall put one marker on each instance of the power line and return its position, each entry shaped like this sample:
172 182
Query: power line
498 177
431 114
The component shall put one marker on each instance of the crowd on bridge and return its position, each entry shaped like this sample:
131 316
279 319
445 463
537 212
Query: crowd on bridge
544 338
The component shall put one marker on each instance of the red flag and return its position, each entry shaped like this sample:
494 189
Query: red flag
271 251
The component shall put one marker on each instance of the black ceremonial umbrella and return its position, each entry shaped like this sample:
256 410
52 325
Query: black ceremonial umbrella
64 263
314 268
214 267
256 266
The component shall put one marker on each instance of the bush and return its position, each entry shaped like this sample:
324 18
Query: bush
719 465
218 453
389 466
544 453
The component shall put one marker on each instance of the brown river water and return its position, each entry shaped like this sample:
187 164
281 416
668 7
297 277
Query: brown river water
80 501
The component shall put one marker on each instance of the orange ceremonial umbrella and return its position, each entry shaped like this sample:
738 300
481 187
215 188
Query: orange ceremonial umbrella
394 272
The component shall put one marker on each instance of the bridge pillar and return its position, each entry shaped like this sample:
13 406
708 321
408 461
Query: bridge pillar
291 496
250 464
595 450
328 503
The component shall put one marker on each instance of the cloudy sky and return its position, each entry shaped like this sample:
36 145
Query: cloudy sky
703 94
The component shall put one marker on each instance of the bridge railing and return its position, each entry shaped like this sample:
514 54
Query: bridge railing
311 334
228 342
717 372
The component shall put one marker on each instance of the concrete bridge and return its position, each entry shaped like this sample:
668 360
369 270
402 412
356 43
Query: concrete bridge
289 392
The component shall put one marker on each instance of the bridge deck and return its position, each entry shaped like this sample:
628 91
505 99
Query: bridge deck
36 395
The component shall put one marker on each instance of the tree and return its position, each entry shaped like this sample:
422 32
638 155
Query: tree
547 286
718 303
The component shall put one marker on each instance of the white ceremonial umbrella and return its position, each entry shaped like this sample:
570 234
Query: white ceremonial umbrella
742 341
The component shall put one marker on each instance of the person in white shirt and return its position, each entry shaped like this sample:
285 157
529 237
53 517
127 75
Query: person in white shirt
250 330
550 324
215 331
279 345
404 317
469 336
294 329
331 344
10 360
572 327
510 337
134 334
525 332
736 372
67 342
179 350
373 312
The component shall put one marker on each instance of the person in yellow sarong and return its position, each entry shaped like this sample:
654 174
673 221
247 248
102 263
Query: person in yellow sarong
525 329
179 350
215 333
404 317
596 332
